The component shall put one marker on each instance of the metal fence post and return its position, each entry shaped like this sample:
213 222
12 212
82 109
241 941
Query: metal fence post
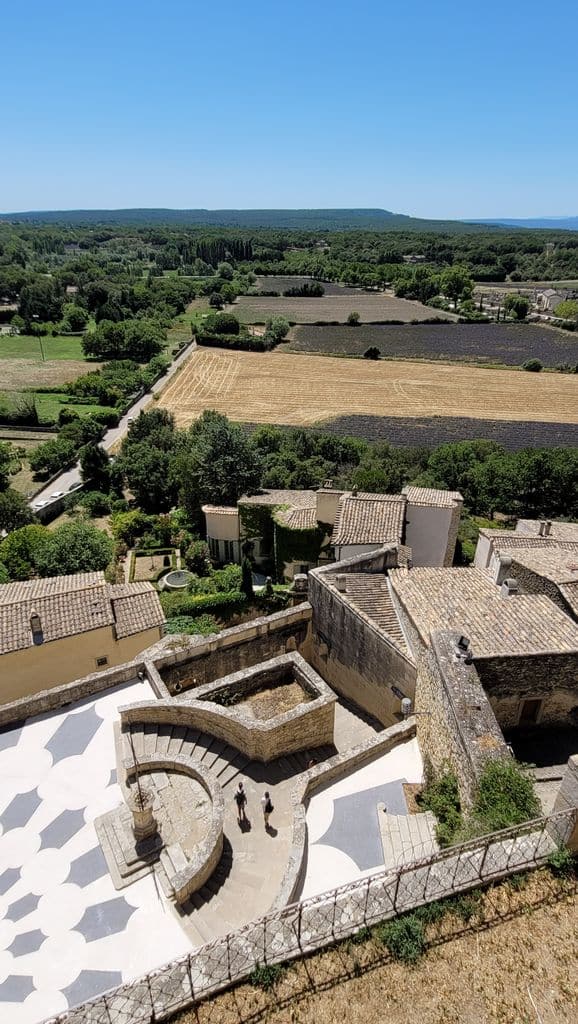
366 900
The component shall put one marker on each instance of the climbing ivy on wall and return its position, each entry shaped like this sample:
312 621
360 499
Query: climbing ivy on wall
296 546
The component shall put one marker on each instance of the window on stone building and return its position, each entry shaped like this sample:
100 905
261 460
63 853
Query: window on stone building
102 662
529 712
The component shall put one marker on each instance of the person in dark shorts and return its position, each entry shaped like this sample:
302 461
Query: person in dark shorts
241 801
267 807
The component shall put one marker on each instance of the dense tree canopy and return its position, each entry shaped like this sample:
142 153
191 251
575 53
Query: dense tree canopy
73 547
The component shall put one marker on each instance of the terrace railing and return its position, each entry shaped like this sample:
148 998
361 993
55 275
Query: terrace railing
322 920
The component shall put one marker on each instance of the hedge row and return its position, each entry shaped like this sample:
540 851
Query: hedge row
248 344
177 604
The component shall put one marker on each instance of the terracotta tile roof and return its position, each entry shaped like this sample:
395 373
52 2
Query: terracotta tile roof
468 600
569 592
293 499
554 562
369 519
432 497
504 539
298 518
369 593
136 607
558 531
70 605
223 510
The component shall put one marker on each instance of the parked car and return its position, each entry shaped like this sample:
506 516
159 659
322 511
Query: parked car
57 494
40 504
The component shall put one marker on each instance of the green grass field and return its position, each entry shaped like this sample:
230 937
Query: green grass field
49 405
24 346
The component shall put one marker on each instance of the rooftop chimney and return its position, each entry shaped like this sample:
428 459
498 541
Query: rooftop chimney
509 587
36 628
354 492
502 567
341 582
547 528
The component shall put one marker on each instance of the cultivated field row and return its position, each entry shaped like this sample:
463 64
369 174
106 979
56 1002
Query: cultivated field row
510 344
371 306
278 387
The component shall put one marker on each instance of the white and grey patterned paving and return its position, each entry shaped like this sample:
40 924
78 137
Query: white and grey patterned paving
66 934
344 834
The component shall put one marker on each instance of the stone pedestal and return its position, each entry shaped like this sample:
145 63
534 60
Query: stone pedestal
144 822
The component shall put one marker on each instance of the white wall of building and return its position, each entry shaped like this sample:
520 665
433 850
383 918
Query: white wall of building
483 555
427 532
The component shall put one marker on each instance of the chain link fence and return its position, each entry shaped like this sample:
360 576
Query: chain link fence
322 920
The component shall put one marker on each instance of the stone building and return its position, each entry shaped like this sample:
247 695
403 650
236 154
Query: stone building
291 532
59 629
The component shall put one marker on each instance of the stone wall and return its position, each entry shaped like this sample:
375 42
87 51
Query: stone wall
349 650
316 778
204 659
59 696
547 677
305 727
567 798
453 533
456 726
208 851
532 583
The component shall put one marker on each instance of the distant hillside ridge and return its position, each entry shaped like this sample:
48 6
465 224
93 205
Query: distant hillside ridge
304 220
549 223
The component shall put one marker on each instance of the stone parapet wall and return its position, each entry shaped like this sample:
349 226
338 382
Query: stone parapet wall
453 533
306 726
208 851
316 778
201 660
532 583
567 798
456 727
59 696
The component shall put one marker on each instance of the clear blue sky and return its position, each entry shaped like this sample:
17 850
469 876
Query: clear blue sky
438 109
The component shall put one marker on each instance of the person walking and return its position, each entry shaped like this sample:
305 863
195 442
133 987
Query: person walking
241 801
267 808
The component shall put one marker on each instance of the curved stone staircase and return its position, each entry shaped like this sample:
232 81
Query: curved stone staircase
247 878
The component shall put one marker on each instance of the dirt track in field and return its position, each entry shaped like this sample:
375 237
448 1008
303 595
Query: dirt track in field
276 387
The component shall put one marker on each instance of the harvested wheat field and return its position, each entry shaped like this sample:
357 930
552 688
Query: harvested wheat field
16 374
300 390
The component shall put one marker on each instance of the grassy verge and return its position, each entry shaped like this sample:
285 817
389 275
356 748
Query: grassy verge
25 346
495 955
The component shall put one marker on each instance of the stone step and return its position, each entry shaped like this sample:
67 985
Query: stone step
236 767
176 741
164 735
135 734
150 738
406 837
214 753
203 746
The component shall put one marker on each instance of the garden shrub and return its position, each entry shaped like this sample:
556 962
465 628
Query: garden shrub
266 975
404 937
191 625
372 352
441 796
505 796
533 365
563 863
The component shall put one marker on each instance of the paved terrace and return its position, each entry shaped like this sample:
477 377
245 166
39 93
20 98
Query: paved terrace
66 934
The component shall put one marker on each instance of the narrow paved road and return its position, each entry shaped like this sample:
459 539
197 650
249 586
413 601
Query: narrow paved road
71 477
